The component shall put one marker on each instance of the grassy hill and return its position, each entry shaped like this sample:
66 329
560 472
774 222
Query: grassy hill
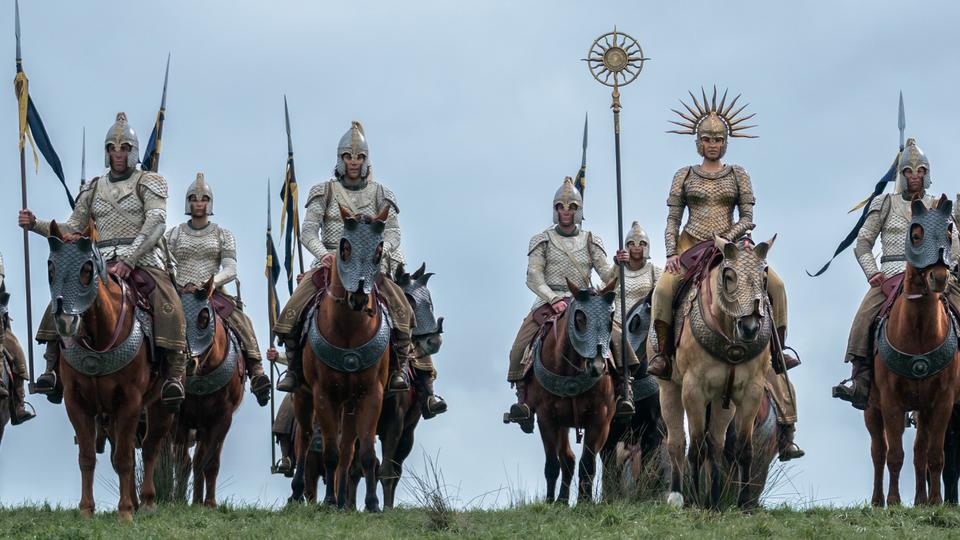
528 522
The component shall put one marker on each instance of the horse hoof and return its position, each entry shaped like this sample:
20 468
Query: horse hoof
675 499
86 513
211 505
125 516
148 508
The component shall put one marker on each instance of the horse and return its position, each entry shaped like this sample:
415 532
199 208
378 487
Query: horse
214 391
915 365
951 454
402 411
346 363
7 378
643 432
714 369
572 387
105 368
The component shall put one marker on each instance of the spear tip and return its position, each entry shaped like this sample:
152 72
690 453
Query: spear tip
16 11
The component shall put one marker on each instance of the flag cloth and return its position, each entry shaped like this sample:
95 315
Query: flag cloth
581 181
289 219
151 155
31 127
272 271
852 235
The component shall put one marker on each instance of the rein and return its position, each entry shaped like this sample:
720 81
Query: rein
84 341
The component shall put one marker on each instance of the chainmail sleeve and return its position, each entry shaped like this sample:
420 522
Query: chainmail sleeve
536 266
153 189
313 219
745 206
391 232
675 206
228 259
601 264
77 222
868 234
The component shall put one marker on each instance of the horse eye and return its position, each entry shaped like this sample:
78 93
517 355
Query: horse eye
580 320
50 272
378 254
345 250
203 319
86 273
916 234
729 280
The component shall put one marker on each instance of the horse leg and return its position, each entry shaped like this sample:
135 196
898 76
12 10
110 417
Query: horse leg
328 418
158 426
307 469
671 404
199 459
84 425
720 419
937 425
593 440
211 468
696 408
392 430
367 417
893 426
873 418
400 454
348 442
951 469
125 425
551 468
748 408
354 474
920 455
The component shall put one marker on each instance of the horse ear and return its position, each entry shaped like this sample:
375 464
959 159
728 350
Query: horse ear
610 286
4 297
383 214
416 275
945 206
209 288
55 243
440 325
84 243
763 248
729 249
426 277
349 220
610 297
344 215
55 231
918 208
399 273
574 289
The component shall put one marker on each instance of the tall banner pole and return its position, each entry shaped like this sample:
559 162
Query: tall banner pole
22 96
615 59
271 301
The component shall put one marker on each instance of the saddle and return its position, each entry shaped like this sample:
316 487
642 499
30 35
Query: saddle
891 287
140 283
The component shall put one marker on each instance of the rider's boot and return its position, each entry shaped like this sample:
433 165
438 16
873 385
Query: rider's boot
661 365
786 445
172 393
856 389
292 377
789 360
20 413
624 408
285 464
430 403
520 412
46 383
404 349
259 382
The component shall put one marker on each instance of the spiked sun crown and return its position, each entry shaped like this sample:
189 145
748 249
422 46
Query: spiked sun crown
710 118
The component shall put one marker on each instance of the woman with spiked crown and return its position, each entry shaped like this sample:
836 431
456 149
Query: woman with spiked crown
203 250
888 218
561 252
128 207
354 189
710 192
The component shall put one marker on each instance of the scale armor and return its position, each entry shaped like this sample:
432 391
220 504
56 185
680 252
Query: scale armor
637 285
202 254
121 133
888 218
323 226
130 217
199 189
710 199
553 258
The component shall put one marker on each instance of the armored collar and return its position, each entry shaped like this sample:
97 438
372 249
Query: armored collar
565 386
352 185
919 366
575 232
208 383
99 364
725 170
122 177
350 360
198 230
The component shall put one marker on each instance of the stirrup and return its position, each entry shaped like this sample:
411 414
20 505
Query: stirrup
172 395
46 383
284 466
624 408
433 406
661 373
851 394
16 420
521 414
398 382
792 451
289 382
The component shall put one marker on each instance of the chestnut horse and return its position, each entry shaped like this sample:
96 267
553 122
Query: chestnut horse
721 359
214 391
105 366
7 377
345 364
572 388
916 367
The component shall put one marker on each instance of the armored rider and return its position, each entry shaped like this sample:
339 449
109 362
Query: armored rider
128 207
639 274
203 250
563 251
12 353
887 218
354 189
710 192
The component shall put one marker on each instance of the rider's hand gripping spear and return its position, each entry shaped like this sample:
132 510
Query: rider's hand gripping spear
616 59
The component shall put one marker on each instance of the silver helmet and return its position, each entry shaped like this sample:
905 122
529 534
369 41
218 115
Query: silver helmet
638 235
121 133
566 196
353 142
199 189
912 158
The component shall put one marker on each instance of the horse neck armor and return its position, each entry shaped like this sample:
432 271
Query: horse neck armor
919 366
208 383
99 364
716 342
422 309
638 327
565 386
350 360
199 340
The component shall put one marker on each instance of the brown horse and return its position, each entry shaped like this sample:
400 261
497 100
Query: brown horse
572 388
345 364
7 377
214 391
105 366
720 359
916 367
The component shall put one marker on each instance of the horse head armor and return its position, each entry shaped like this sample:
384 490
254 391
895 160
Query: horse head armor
929 235
742 285
360 250
590 320
201 319
427 332
74 271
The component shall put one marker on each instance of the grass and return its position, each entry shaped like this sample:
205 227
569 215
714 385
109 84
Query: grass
529 522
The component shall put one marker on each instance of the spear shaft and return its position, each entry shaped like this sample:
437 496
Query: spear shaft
21 89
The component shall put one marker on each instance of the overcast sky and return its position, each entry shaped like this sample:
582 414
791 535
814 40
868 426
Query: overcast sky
473 112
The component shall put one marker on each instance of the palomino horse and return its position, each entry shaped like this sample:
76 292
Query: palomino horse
916 367
721 358
7 378
214 391
105 367
345 364
572 388
402 411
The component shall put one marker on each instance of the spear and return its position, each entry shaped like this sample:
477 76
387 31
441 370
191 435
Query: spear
151 155
83 160
901 120
272 272
581 180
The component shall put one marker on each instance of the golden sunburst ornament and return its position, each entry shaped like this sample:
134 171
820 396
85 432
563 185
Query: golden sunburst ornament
615 59
713 117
